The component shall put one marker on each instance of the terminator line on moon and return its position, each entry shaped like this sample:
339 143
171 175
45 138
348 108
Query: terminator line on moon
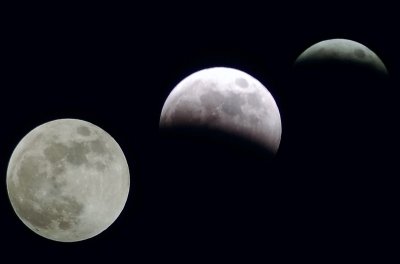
68 180
227 100
342 50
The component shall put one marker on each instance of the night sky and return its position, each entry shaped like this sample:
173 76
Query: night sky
331 192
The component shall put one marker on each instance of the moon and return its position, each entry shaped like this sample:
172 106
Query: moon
68 180
227 100
342 50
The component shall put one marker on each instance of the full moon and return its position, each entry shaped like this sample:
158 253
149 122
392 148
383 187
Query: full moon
342 50
226 100
68 180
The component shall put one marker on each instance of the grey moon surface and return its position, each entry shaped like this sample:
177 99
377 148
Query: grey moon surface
68 180
342 50
228 100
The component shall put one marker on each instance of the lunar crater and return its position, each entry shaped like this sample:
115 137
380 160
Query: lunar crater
98 146
83 130
210 100
77 153
359 53
241 82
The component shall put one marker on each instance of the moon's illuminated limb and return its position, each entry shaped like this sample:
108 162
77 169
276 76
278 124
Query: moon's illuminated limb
228 100
68 180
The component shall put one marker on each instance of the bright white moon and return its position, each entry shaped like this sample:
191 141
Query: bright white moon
228 100
68 180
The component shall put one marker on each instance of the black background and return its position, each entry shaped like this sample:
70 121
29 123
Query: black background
114 66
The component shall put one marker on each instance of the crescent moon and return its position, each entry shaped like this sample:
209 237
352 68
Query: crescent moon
342 50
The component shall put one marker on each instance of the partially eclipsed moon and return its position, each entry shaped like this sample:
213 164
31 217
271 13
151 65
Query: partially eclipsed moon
342 50
68 180
227 100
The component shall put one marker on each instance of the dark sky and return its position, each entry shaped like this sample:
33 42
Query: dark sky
323 197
